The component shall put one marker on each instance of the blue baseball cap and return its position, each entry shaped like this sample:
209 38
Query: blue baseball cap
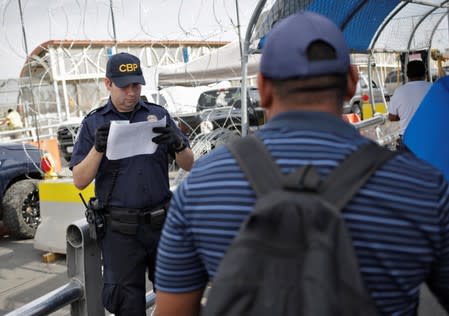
284 55
124 69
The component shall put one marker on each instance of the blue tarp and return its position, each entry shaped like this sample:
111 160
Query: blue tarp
358 19
395 25
426 134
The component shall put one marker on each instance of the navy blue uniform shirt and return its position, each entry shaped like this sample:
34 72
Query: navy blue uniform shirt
141 181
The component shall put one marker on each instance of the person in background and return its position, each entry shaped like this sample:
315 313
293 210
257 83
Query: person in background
13 121
406 98
131 193
398 220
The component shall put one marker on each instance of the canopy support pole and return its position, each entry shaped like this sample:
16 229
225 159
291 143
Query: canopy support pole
244 67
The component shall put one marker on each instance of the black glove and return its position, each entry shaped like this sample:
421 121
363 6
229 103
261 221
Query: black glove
101 137
170 137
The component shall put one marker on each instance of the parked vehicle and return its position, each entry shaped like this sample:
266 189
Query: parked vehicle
393 80
180 102
362 95
66 135
20 171
67 131
222 108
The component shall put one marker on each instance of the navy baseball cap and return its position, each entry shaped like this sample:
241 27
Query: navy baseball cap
124 69
284 55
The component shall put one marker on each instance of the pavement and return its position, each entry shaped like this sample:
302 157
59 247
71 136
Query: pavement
24 276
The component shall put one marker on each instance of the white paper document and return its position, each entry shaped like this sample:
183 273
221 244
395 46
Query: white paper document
127 140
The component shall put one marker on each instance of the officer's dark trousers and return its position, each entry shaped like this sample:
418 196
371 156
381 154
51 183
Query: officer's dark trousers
126 259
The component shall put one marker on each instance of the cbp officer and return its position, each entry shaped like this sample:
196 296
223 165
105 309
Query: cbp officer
131 193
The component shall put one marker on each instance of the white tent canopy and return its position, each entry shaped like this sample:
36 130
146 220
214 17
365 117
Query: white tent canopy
222 64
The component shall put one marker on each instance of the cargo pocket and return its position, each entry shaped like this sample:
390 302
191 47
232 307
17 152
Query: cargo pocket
111 297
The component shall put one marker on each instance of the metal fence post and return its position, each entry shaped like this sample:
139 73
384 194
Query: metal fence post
84 264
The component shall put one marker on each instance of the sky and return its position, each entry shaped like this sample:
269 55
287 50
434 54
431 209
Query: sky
45 20
134 20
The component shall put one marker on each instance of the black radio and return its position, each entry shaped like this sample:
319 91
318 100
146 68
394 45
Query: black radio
95 218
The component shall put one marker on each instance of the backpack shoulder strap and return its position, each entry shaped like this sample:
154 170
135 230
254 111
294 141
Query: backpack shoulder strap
346 179
256 163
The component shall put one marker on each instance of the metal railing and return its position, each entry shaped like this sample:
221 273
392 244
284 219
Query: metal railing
29 133
376 129
51 301
84 289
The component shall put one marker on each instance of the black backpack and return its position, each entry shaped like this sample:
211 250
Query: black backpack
293 254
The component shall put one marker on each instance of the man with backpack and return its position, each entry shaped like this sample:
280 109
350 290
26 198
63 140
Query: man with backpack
345 228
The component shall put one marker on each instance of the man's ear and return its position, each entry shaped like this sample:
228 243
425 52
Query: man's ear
108 83
353 79
265 91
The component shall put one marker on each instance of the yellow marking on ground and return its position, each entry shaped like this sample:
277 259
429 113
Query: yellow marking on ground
51 257
367 109
381 108
63 191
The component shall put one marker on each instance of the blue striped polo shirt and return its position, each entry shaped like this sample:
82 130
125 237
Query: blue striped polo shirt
399 220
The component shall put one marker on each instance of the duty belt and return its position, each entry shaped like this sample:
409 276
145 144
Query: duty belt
127 220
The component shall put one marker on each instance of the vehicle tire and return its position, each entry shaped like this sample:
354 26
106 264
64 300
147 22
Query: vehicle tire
21 213
357 109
